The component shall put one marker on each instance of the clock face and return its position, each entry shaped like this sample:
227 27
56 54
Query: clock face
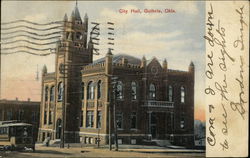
79 35
154 70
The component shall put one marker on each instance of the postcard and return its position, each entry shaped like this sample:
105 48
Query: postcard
124 78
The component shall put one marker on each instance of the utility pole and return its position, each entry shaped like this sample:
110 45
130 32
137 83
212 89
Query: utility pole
111 43
0 57
110 122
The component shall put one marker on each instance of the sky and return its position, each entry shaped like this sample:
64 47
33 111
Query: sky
177 37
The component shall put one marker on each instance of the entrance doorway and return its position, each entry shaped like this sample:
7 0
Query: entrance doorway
58 128
153 125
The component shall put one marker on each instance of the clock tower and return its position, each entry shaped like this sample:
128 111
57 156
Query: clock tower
72 53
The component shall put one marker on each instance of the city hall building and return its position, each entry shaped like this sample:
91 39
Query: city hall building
152 102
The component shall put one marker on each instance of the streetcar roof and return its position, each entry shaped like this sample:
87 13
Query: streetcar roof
15 124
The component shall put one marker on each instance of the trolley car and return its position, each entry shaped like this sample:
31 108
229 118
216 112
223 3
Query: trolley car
16 135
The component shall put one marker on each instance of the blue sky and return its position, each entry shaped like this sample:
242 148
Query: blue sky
178 37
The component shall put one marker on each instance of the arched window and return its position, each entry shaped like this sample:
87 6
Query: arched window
60 91
182 94
52 93
134 91
119 89
170 93
152 91
46 93
99 89
91 90
82 90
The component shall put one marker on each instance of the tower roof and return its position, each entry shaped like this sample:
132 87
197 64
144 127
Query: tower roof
76 13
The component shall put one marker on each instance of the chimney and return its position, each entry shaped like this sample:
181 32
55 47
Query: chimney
16 98
28 99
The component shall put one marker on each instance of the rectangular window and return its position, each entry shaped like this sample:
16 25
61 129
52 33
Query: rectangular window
119 120
133 120
20 115
9 115
33 116
99 118
90 119
45 117
50 117
81 119
170 93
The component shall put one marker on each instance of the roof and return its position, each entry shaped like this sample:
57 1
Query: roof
76 13
118 59
15 124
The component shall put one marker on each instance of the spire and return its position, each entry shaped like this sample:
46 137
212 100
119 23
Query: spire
143 61
165 64
44 69
191 67
65 17
75 15
86 16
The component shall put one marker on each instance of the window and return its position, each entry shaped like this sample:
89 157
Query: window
46 93
91 90
33 116
60 91
90 119
170 93
182 94
50 117
9 115
52 93
119 90
99 89
20 115
134 91
99 118
81 119
182 123
133 120
152 91
119 120
82 90
45 117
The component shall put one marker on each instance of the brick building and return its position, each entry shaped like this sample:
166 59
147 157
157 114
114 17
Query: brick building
152 101
23 111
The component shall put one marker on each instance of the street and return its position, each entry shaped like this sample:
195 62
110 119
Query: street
42 151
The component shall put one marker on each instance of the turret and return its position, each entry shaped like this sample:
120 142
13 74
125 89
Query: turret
90 46
165 64
191 67
143 62
44 71
108 62
65 19
86 19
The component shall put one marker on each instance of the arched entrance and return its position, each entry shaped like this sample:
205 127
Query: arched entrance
58 128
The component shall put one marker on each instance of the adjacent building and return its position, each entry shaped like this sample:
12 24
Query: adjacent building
23 111
151 101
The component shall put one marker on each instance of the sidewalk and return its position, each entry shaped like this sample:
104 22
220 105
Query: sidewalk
133 148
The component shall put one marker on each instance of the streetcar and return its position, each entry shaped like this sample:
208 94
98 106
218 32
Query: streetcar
16 135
